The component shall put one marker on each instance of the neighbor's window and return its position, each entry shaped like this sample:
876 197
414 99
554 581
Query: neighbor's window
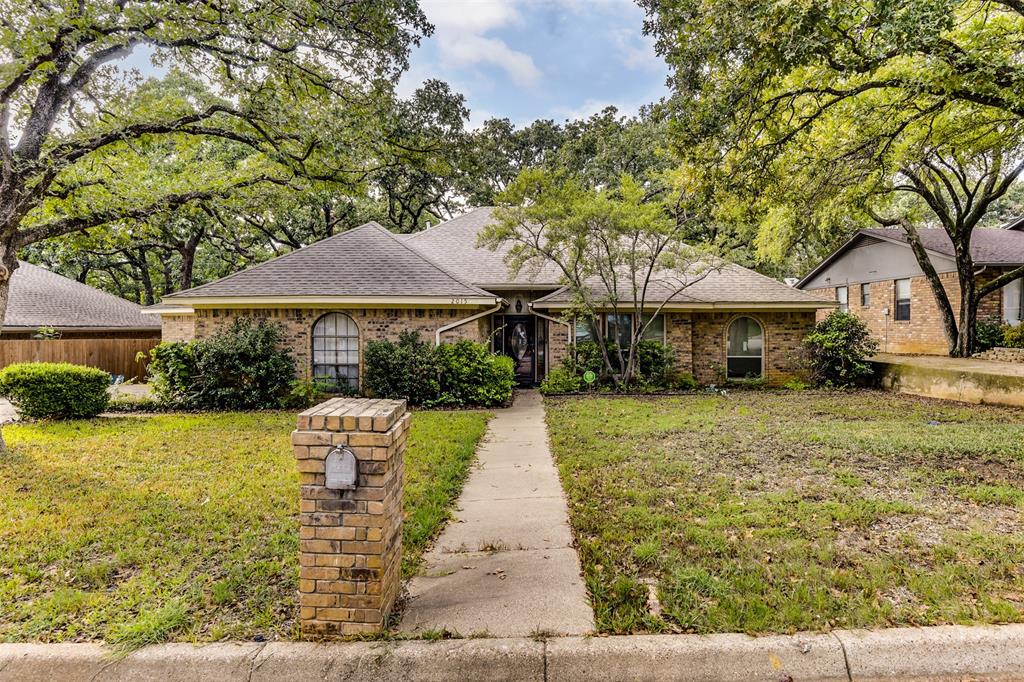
656 330
620 329
745 351
843 296
902 299
336 352
865 295
1013 302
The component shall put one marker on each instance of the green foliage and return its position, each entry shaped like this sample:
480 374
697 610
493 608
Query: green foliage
795 385
449 375
46 332
408 369
472 375
988 334
683 381
242 367
55 390
1013 337
654 363
838 347
561 380
304 394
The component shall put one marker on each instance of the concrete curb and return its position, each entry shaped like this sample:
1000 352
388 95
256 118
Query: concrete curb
907 654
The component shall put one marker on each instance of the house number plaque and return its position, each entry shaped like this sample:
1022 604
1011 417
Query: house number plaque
341 469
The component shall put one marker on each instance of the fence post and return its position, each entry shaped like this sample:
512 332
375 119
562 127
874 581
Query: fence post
350 455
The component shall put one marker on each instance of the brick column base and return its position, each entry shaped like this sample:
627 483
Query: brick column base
350 540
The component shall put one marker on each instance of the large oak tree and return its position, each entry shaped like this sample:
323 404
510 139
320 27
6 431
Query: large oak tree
831 115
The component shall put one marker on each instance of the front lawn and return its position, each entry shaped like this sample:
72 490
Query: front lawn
775 512
180 527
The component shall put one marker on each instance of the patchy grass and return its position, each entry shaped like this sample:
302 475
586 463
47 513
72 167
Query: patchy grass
775 512
180 527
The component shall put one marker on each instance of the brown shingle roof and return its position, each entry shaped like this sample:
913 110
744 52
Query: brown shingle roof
453 244
989 246
727 285
365 261
40 298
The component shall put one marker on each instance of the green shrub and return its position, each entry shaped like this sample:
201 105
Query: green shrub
1013 337
304 394
654 362
242 367
55 390
838 347
560 381
471 374
451 375
683 381
407 369
988 334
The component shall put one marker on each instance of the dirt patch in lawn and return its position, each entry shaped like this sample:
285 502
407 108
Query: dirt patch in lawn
769 511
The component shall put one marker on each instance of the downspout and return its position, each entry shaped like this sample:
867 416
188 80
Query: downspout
466 320
568 331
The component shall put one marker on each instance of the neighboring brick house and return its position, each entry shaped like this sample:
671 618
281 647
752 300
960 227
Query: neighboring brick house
334 296
876 276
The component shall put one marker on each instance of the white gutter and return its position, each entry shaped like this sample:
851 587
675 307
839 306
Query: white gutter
568 327
466 320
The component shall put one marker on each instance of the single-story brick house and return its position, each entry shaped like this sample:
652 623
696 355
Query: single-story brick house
876 276
334 296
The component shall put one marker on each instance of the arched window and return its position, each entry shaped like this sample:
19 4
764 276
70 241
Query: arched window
745 352
336 352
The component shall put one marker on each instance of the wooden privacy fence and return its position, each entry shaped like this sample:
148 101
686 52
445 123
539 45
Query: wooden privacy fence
116 356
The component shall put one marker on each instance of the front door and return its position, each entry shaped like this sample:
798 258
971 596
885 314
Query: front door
520 344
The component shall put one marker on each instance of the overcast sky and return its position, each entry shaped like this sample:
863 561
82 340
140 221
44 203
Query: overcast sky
529 59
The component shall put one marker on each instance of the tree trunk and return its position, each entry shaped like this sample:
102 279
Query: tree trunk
8 264
949 322
967 327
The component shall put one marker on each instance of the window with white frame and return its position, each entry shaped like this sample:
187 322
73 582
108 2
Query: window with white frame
843 297
1013 302
336 352
902 300
745 349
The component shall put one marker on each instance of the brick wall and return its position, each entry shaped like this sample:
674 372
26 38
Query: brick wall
698 341
558 343
923 332
373 324
177 327
784 333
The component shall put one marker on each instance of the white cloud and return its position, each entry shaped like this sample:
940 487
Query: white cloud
636 49
461 28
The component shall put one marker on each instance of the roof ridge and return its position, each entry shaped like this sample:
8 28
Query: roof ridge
414 235
275 259
405 245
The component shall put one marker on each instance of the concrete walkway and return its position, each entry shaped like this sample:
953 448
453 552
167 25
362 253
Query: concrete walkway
505 565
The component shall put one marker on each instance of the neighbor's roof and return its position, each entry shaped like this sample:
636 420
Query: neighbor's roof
367 261
728 285
453 244
41 298
989 245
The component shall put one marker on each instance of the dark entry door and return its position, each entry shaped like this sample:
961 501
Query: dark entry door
520 343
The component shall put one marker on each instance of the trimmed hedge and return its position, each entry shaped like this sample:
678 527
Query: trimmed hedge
450 375
55 390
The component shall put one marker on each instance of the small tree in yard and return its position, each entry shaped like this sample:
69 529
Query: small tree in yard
838 347
622 249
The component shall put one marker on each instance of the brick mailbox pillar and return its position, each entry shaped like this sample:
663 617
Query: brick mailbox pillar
350 458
